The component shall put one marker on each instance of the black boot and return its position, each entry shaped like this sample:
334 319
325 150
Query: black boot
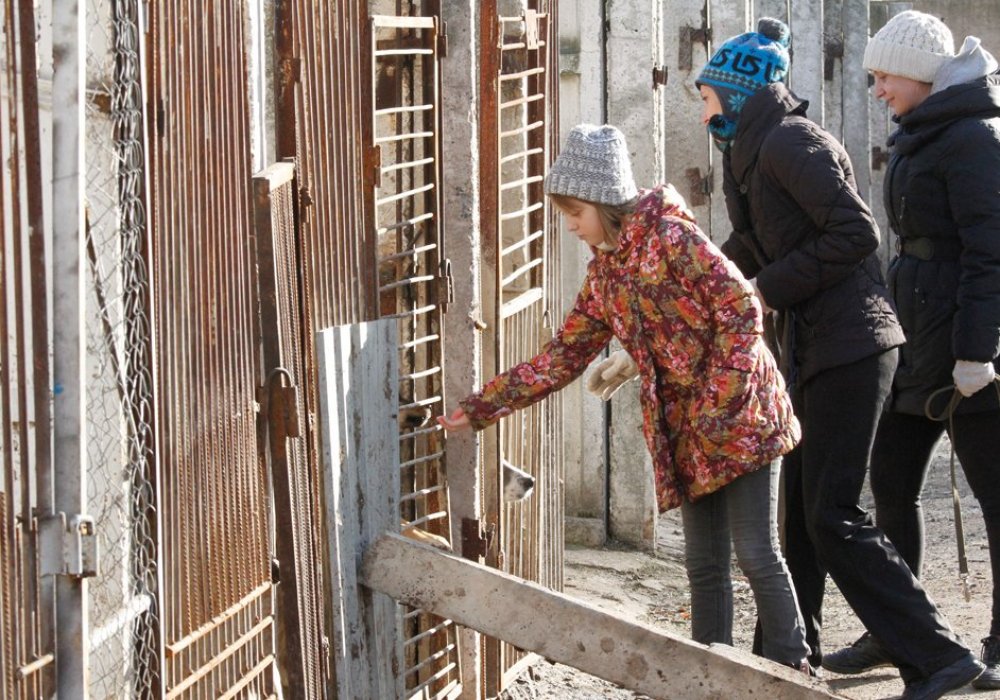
990 678
945 680
864 655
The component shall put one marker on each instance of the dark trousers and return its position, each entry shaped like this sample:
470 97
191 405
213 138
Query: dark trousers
904 446
826 530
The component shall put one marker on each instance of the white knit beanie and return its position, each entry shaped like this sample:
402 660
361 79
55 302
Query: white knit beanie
912 45
593 166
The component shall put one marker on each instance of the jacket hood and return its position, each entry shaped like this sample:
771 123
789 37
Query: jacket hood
764 110
662 200
976 99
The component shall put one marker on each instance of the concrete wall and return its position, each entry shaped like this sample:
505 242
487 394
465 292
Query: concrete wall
581 100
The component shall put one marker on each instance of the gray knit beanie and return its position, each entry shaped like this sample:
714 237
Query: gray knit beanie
912 44
593 167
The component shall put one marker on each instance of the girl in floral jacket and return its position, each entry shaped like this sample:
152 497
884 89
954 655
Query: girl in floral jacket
716 416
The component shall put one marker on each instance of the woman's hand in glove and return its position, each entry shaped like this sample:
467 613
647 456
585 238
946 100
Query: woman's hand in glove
970 377
609 376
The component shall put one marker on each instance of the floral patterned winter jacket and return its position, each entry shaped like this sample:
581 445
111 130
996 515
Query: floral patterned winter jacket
714 405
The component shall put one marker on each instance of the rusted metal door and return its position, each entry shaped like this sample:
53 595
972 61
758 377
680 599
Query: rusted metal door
403 172
27 668
217 595
519 127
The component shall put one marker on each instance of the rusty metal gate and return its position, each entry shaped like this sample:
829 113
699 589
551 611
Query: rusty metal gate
27 668
413 285
519 125
362 92
217 595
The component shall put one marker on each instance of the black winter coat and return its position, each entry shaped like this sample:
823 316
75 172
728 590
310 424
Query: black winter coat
942 195
802 229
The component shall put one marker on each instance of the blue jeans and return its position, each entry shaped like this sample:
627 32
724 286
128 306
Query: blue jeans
745 513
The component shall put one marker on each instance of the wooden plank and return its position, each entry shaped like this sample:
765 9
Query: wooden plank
360 450
559 628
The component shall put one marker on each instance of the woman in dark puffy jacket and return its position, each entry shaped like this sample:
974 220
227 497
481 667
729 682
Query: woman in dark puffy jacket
942 195
808 241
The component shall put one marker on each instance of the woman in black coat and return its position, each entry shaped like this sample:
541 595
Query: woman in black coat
808 241
942 195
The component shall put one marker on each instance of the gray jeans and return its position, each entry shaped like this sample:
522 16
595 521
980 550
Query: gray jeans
745 513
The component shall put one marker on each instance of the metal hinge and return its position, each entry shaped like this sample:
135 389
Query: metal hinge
880 157
476 542
447 290
833 51
660 74
700 186
442 40
376 161
68 546
685 47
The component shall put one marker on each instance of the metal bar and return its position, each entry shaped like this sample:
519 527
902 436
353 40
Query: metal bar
429 632
521 271
421 460
430 371
413 312
522 129
520 183
254 673
521 212
405 166
420 341
403 52
69 455
413 495
421 432
404 224
522 101
407 282
403 109
409 253
220 657
35 666
519 303
514 247
520 155
429 660
180 645
394 22
410 136
404 195
507 77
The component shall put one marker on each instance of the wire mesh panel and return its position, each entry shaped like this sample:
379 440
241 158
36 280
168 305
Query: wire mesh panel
124 647
217 596
413 280
517 220
27 668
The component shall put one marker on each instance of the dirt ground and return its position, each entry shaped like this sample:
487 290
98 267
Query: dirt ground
652 589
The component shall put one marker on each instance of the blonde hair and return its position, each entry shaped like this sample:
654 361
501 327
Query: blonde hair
611 215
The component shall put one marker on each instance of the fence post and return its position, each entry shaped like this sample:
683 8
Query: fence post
358 393
69 457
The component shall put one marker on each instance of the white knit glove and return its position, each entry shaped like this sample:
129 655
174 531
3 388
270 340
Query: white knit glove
609 375
970 377
760 297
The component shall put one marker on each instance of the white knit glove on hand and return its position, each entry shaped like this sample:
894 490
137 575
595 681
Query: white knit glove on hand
609 375
760 297
970 377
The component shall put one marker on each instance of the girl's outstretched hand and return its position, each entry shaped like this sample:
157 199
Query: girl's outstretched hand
456 421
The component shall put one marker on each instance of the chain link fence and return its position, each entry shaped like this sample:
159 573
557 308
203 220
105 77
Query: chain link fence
124 659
